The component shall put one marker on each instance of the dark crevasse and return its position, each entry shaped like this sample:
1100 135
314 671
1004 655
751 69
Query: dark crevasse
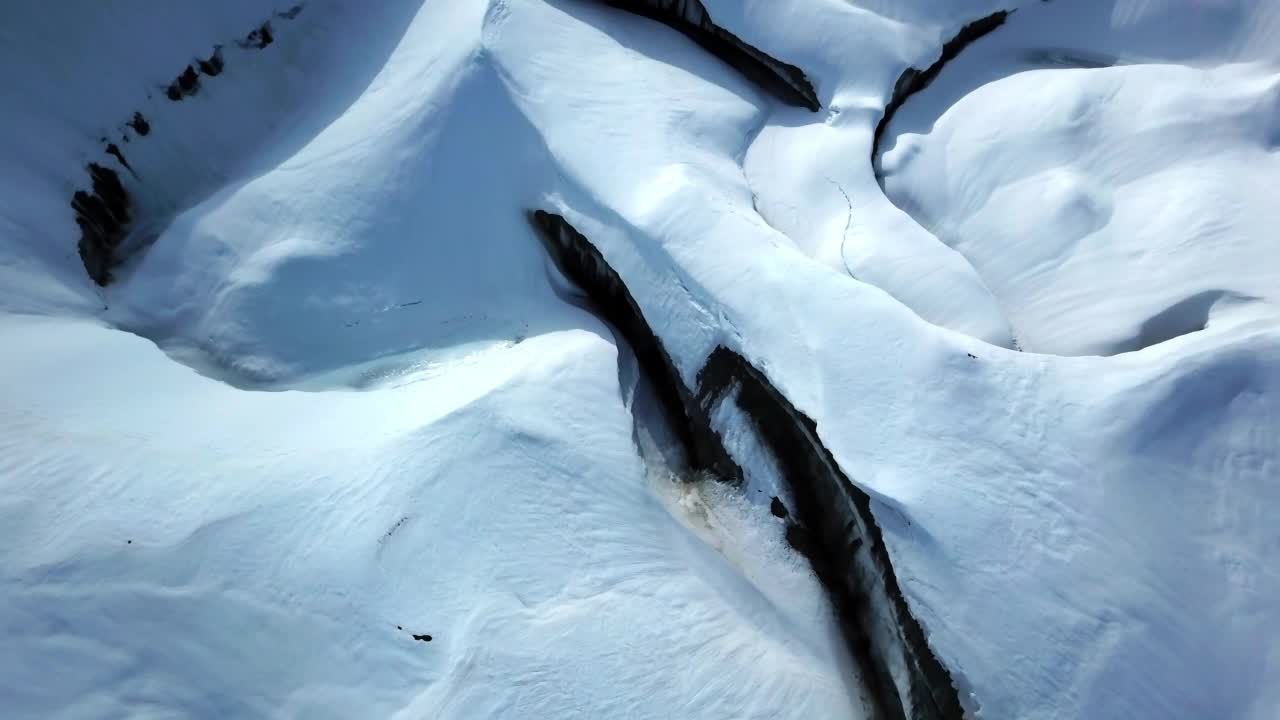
838 533
583 264
913 80
784 81
832 523
103 216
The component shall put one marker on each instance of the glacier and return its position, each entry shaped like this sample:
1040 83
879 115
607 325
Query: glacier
885 398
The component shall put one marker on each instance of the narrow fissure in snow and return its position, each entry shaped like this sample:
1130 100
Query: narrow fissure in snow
913 80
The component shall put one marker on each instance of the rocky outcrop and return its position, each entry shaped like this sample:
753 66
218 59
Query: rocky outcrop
832 523
583 264
139 125
212 66
104 212
103 216
784 81
185 85
837 531
259 38
913 80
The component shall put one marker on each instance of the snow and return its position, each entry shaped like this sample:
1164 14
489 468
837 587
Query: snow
1045 155
341 399
261 559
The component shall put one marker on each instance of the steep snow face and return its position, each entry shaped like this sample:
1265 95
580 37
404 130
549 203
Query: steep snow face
473 535
176 545
1076 155
403 257
67 109
1006 483
477 533
809 179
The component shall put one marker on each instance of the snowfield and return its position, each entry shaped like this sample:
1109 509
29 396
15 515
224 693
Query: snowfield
339 440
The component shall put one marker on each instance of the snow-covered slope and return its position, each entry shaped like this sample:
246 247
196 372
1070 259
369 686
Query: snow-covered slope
338 440
1074 156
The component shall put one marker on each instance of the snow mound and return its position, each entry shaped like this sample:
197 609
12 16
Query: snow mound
1073 156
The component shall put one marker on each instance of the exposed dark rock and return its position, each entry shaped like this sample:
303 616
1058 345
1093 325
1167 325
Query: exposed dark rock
784 81
213 66
839 534
186 84
419 638
103 217
833 525
778 509
189 81
114 151
259 38
913 80
104 214
582 263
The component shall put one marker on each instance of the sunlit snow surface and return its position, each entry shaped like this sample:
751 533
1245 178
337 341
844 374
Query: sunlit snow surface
342 400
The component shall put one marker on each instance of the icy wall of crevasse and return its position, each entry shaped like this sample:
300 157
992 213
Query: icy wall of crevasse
582 263
784 81
840 536
836 530
913 80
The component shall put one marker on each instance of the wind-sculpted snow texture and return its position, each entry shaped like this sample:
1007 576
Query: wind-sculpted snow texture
337 399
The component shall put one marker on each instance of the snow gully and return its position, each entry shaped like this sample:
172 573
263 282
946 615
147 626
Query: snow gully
832 523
